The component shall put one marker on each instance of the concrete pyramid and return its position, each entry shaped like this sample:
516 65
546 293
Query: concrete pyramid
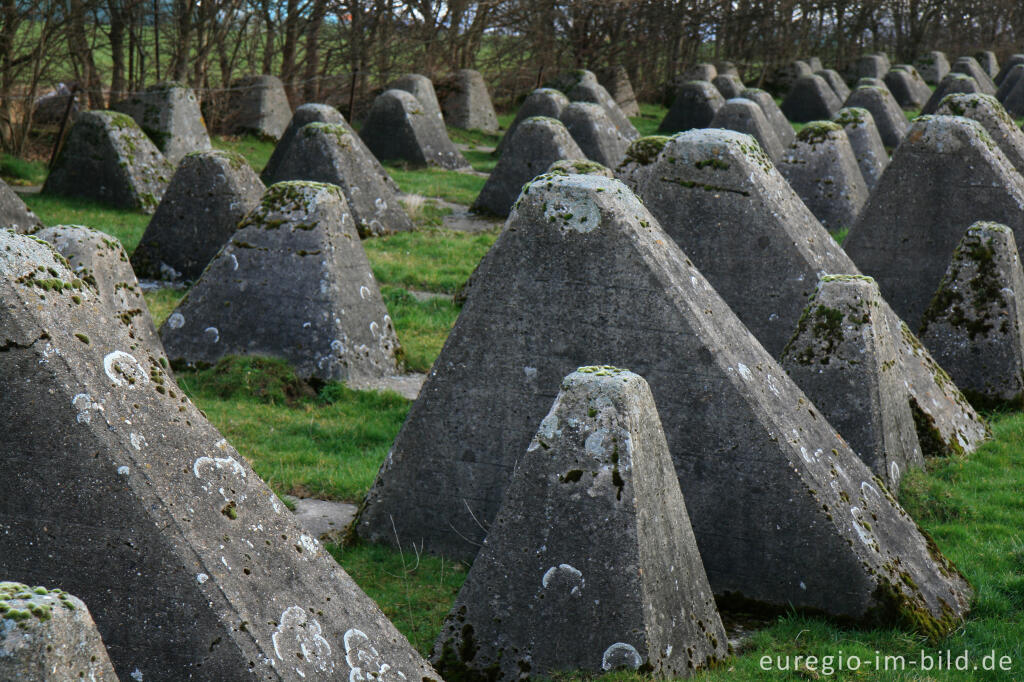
293 282
636 300
595 133
970 66
1014 100
715 192
810 99
745 116
208 196
467 104
836 82
1007 66
536 143
822 169
701 71
14 214
872 66
904 89
916 81
421 87
815 64
190 566
259 106
399 127
952 83
778 121
640 154
99 260
974 325
586 88
785 76
541 102
615 80
694 106
730 86
867 144
889 117
169 114
108 158
593 516
846 359
986 110
1007 84
318 113
326 152
933 67
988 62
727 68
947 173
564 167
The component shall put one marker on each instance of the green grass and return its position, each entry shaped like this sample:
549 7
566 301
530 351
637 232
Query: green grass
474 138
481 160
430 260
127 226
17 171
256 150
458 188
649 119
422 326
161 303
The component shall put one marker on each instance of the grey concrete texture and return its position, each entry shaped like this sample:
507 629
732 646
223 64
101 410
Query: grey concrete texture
259 106
466 103
905 90
986 110
48 635
778 121
537 143
398 127
326 152
822 169
100 260
973 326
541 102
715 192
189 564
292 282
871 83
615 80
1013 102
209 195
594 530
933 67
107 158
745 116
805 505
947 173
729 85
701 71
836 82
640 155
169 114
988 62
422 88
1009 81
588 89
916 81
814 63
867 144
563 167
889 117
695 105
970 67
872 66
846 359
810 99
1012 61
950 84
318 113
727 68
785 76
597 136
14 214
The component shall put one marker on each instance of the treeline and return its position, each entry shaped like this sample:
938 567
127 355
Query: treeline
343 51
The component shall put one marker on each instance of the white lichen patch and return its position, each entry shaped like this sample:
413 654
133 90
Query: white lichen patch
124 370
299 637
85 406
621 656
364 662
176 321
564 576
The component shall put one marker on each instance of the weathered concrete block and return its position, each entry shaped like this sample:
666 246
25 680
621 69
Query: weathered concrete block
536 143
108 158
952 83
563 167
1008 65
727 68
947 173
846 359
1014 100
399 127
292 282
422 88
867 144
325 152
729 85
1009 81
259 106
969 66
904 90
640 154
814 63
836 82
695 105
778 121
889 117
986 110
595 133
715 192
49 635
467 104
701 71
318 113
615 80
169 114
916 81
988 62
98 259
933 67
638 301
822 169
745 116
208 196
14 214
541 102
189 564
973 325
593 516
587 89
810 99
870 83
872 66
785 76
